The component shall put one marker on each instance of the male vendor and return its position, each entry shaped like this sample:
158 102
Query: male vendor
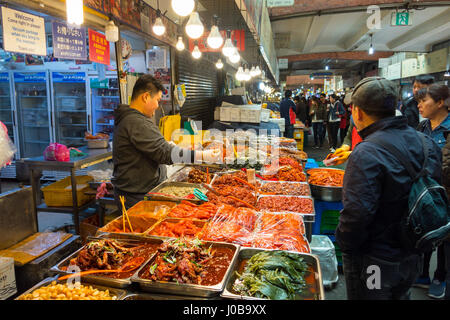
139 150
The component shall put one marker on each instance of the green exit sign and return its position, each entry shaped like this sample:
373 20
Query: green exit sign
401 19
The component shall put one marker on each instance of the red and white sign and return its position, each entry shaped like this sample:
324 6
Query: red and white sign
237 37
98 48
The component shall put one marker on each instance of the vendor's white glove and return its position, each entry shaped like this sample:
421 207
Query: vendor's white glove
172 143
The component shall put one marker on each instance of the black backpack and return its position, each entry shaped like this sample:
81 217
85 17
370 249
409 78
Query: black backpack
427 222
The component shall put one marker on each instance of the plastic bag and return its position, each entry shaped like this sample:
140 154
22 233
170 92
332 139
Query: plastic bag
6 146
324 249
57 152
101 175
282 231
232 225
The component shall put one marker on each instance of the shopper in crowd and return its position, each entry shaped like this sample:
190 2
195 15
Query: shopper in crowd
301 109
326 105
375 196
308 117
410 109
139 149
287 111
433 105
318 114
446 183
335 113
345 123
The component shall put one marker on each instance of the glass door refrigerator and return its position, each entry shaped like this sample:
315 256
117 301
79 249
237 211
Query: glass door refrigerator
6 109
105 98
33 112
69 107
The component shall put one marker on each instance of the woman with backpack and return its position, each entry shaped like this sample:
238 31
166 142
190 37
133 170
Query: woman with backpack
433 105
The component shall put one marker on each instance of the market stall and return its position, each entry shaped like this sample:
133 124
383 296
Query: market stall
210 231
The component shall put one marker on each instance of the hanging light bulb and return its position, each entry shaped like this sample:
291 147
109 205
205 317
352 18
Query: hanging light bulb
183 7
215 39
180 44
327 67
371 49
111 32
235 58
228 49
257 71
219 64
247 75
253 72
74 9
196 53
240 74
194 27
158 27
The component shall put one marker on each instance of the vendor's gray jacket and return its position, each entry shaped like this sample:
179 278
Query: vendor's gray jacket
376 189
139 151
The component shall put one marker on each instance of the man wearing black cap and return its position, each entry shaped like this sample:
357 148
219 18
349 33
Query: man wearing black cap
375 196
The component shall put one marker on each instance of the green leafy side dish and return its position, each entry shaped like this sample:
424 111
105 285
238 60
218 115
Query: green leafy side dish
275 275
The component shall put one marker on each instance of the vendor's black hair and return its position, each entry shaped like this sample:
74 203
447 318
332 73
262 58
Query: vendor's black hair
437 92
425 79
334 96
288 93
146 83
297 98
323 95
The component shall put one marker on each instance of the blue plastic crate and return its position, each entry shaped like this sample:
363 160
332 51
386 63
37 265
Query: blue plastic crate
320 207
311 164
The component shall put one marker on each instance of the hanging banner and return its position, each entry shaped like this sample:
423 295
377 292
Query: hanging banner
23 33
237 37
98 48
4 77
68 43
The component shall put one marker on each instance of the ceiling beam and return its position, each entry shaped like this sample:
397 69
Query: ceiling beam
355 40
318 23
436 25
305 8
352 55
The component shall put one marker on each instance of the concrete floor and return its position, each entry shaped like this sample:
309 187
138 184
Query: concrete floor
55 221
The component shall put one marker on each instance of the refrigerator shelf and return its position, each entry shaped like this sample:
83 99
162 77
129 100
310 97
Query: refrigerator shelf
74 124
106 110
72 111
34 109
35 126
78 97
105 124
108 96
5 109
3 96
22 97
73 138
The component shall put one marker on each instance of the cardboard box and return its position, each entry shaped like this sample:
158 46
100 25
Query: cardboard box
225 113
8 286
265 115
235 114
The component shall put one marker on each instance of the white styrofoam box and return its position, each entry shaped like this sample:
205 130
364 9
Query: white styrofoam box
235 114
238 91
217 113
7 278
265 115
250 113
225 114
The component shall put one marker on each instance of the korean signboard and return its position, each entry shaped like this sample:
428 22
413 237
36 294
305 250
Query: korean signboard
69 43
23 32
98 48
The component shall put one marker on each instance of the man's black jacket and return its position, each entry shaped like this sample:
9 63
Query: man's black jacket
411 112
376 189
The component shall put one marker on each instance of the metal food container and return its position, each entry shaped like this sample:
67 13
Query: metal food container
134 220
120 294
330 194
182 289
308 217
317 291
219 174
288 182
97 143
102 280
154 296
165 184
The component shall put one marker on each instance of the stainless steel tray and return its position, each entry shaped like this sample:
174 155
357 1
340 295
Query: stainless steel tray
174 198
247 253
288 182
188 289
307 216
155 296
330 194
120 294
102 280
